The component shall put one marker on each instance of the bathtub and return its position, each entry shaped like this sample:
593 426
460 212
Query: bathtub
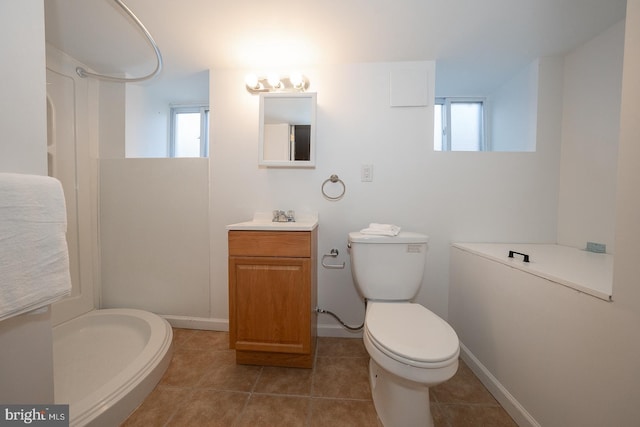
107 361
535 333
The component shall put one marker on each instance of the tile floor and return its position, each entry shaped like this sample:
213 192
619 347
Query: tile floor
204 387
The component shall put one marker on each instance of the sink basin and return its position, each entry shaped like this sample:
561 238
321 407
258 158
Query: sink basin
262 222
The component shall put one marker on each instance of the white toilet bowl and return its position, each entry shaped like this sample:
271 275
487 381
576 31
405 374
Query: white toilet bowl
411 349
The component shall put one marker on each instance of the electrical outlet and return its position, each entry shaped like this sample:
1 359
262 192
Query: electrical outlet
366 173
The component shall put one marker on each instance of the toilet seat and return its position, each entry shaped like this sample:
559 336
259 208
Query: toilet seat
411 334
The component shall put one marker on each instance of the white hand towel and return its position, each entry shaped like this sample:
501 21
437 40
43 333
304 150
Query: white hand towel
381 229
34 259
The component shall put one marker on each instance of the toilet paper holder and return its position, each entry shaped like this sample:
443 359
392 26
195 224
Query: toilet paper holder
333 254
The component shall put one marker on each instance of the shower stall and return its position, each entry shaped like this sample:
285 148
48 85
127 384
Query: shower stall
120 354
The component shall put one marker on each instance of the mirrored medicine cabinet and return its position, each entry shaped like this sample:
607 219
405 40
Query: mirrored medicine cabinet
287 130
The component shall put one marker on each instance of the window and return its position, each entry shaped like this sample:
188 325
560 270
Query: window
460 124
189 135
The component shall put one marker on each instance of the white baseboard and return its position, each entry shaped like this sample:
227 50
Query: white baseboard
204 323
337 331
197 323
502 395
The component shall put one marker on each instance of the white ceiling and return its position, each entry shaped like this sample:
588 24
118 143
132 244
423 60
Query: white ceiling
483 37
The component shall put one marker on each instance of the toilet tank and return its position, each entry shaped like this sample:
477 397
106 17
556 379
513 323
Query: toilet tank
388 268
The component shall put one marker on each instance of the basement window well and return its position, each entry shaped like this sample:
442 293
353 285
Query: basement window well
189 135
460 124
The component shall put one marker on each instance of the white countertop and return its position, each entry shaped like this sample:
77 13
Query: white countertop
262 222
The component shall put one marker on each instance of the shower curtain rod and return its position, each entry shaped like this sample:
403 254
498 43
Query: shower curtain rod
84 73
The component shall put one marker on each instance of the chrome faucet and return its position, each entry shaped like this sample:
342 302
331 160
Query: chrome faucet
282 216
277 215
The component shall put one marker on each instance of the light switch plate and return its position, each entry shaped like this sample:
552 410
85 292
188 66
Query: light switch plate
366 173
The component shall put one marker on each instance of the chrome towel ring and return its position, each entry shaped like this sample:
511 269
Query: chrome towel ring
333 179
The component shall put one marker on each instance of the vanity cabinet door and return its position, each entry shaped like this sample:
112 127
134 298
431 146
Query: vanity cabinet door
270 304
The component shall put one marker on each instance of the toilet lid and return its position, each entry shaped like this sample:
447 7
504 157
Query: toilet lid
411 332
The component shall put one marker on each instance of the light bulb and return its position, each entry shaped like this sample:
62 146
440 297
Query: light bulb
274 81
252 82
297 80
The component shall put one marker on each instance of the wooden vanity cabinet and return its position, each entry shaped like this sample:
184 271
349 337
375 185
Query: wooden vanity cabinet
272 297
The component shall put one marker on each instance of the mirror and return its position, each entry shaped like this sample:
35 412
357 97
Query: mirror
287 129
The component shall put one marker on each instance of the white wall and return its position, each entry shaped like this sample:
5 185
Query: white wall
154 235
26 359
513 112
568 358
147 123
563 356
147 111
450 196
111 124
23 108
73 150
591 121
26 351
627 238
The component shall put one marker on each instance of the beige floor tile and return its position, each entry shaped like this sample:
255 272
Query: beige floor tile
187 368
210 408
341 347
180 336
439 416
343 413
207 340
284 381
158 407
204 386
464 387
477 416
224 374
343 377
269 411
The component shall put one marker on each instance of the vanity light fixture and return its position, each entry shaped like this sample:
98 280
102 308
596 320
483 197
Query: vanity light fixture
296 82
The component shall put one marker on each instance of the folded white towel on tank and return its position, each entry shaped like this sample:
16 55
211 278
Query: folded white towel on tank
34 259
381 229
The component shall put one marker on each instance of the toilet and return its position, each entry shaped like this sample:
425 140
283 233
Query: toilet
410 348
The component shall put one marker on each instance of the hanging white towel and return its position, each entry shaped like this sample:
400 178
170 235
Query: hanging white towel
34 259
381 229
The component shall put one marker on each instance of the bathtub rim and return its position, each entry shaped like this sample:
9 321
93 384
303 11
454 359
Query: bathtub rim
115 400
476 248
